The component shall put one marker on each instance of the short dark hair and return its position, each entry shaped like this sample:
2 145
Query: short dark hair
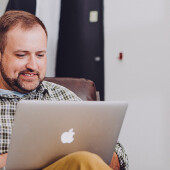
13 18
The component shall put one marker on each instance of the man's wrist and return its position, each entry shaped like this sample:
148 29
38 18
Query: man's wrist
115 165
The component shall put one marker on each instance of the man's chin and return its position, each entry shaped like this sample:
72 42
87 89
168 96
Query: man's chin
24 89
27 87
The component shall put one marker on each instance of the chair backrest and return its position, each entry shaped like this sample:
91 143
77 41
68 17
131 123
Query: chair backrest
83 88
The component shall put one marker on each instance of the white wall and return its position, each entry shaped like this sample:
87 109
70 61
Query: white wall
49 13
3 4
141 30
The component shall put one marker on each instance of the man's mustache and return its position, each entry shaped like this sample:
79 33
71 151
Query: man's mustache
29 71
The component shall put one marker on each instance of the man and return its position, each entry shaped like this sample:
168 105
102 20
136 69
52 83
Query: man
23 43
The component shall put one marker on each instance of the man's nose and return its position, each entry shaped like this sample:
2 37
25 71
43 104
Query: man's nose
31 63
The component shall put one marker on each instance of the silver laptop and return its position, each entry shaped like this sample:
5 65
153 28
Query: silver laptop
45 131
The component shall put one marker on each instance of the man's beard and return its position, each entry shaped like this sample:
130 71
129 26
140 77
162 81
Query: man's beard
16 83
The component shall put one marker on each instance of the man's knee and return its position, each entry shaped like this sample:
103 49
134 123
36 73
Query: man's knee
86 160
81 160
84 156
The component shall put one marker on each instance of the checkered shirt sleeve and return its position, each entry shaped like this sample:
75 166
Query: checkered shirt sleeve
122 156
7 109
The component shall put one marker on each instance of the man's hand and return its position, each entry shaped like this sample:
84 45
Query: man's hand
115 162
3 158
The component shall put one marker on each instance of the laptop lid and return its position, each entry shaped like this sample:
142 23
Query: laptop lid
45 131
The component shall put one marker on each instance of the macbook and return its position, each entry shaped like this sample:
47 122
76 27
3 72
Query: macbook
45 131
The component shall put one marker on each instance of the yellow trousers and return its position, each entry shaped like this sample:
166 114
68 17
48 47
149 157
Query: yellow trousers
79 161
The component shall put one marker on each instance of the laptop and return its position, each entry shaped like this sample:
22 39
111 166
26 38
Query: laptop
45 131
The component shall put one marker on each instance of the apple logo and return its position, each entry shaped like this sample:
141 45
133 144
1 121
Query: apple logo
67 137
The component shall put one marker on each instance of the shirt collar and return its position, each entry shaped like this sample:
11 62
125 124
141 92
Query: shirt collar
42 89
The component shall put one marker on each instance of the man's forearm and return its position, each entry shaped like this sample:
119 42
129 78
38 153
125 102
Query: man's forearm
3 158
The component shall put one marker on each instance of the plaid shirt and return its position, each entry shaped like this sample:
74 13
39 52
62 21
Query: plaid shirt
46 91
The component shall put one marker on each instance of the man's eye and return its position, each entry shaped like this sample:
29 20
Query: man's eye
40 55
20 55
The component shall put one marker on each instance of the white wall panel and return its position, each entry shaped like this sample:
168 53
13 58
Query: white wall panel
3 4
141 30
49 12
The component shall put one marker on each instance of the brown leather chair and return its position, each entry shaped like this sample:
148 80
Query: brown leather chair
83 88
